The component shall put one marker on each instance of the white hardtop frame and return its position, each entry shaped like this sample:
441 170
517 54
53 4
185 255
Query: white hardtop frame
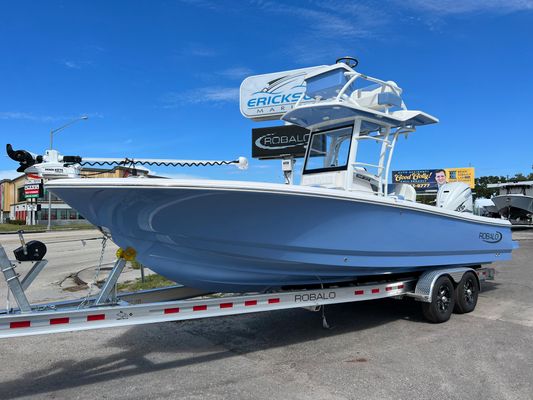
386 123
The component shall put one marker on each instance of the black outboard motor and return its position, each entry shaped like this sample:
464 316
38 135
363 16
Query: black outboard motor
31 251
23 157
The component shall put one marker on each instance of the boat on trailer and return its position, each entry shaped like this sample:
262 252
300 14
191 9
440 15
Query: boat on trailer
344 221
514 201
344 234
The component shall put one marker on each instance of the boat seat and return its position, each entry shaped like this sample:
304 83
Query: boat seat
403 191
376 97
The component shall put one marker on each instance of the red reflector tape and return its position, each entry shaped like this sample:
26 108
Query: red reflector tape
359 292
57 321
171 310
200 308
388 288
20 324
401 286
226 305
375 290
271 301
95 317
250 303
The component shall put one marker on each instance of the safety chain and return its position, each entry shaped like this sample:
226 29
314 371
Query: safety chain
97 273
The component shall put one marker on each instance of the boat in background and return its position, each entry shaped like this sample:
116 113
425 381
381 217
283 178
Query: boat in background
343 222
514 201
485 207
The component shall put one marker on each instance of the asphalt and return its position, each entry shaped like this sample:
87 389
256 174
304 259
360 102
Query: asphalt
374 350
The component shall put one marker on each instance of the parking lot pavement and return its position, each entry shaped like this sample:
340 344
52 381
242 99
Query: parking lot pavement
374 350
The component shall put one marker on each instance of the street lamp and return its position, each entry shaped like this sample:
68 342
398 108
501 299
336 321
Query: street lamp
83 117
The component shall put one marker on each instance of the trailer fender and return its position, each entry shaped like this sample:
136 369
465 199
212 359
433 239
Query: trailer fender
426 282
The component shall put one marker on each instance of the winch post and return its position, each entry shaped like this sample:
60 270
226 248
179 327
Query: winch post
111 281
22 242
13 282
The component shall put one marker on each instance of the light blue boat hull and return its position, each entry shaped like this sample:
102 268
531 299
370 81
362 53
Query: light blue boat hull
248 240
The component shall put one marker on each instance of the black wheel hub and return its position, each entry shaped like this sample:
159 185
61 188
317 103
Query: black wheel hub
443 299
468 291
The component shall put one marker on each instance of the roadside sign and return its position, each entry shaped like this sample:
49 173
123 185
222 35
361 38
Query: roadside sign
465 175
424 179
33 188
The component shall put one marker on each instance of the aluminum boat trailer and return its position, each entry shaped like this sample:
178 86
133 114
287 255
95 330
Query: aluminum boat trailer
440 291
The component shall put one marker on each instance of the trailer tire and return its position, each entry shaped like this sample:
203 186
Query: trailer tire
442 301
466 294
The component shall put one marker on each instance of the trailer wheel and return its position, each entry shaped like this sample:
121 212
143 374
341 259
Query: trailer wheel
466 294
442 301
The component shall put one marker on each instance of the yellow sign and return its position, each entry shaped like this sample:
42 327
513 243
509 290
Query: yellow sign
465 175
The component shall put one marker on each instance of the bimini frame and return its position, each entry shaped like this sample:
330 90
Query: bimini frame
387 134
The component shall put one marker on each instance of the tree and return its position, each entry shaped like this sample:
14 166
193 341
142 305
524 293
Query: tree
481 189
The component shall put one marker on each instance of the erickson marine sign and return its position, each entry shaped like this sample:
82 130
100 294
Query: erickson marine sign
269 96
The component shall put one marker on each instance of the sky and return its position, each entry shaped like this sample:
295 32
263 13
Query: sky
160 79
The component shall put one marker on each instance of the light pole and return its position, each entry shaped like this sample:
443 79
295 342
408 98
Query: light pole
83 117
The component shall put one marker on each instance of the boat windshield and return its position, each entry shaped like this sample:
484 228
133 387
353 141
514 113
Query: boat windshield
329 150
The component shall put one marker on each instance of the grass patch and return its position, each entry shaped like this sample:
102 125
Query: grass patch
150 282
33 228
72 227
25 228
135 264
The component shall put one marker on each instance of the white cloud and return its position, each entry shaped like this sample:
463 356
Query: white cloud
329 20
203 52
235 72
206 4
17 115
71 65
214 95
9 174
339 26
325 25
26 116
218 94
197 50
443 7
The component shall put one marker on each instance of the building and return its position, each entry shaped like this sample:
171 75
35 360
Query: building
15 207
